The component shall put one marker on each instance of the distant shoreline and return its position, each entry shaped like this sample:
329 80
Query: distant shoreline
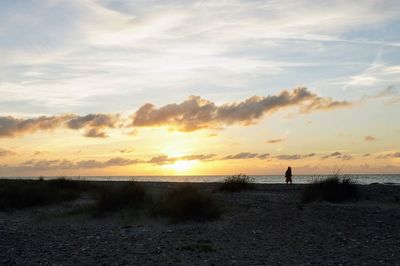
364 179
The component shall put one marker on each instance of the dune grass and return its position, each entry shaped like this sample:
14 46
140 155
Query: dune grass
20 194
237 183
188 203
183 203
332 189
129 195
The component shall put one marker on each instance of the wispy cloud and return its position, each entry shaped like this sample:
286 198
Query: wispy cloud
242 155
4 152
337 155
389 155
370 138
263 156
125 47
293 156
273 141
165 159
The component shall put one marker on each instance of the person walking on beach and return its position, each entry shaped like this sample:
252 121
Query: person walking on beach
288 175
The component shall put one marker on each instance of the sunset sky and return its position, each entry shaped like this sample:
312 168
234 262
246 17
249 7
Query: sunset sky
118 87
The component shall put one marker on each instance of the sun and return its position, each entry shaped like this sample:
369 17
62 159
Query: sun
182 165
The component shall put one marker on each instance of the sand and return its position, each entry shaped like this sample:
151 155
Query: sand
265 226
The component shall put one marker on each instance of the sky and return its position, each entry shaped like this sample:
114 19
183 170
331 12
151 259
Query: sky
118 87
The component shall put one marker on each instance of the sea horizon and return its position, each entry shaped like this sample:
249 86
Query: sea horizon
363 179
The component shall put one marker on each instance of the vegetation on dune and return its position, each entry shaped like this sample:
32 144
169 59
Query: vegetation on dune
237 183
130 195
19 194
183 203
189 203
331 189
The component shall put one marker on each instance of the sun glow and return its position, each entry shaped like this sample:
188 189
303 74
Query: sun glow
182 165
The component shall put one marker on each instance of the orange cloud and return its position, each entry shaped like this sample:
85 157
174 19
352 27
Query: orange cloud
164 159
293 156
92 123
337 155
4 152
389 155
197 113
272 141
242 155
369 138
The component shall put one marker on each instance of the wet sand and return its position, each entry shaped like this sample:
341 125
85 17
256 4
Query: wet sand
265 226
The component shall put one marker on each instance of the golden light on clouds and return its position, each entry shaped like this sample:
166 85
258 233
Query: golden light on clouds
209 87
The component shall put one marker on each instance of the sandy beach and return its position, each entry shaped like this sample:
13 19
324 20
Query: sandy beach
264 226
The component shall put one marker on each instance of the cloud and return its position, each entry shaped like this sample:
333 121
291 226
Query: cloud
165 159
4 152
45 165
34 165
93 121
288 157
396 155
103 164
337 155
160 160
200 157
94 124
197 113
12 127
95 133
174 44
263 156
242 155
128 150
369 138
273 141
294 156
249 155
389 155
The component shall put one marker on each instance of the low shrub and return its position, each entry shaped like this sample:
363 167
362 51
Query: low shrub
189 203
331 189
237 183
127 196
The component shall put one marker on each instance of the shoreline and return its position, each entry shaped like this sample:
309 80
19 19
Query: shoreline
187 179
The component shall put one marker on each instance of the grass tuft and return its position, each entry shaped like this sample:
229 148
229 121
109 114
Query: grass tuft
127 196
237 183
331 189
20 194
189 203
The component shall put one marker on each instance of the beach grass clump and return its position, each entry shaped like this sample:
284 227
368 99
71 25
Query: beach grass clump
129 195
189 203
20 194
332 189
237 183
69 184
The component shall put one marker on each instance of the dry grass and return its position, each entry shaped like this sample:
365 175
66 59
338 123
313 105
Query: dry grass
188 203
237 183
331 189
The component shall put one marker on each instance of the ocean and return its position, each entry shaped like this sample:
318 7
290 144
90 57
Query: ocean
272 179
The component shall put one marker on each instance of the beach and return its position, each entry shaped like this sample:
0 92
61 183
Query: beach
264 226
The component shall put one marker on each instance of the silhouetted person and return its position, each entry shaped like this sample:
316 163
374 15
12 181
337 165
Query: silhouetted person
288 175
